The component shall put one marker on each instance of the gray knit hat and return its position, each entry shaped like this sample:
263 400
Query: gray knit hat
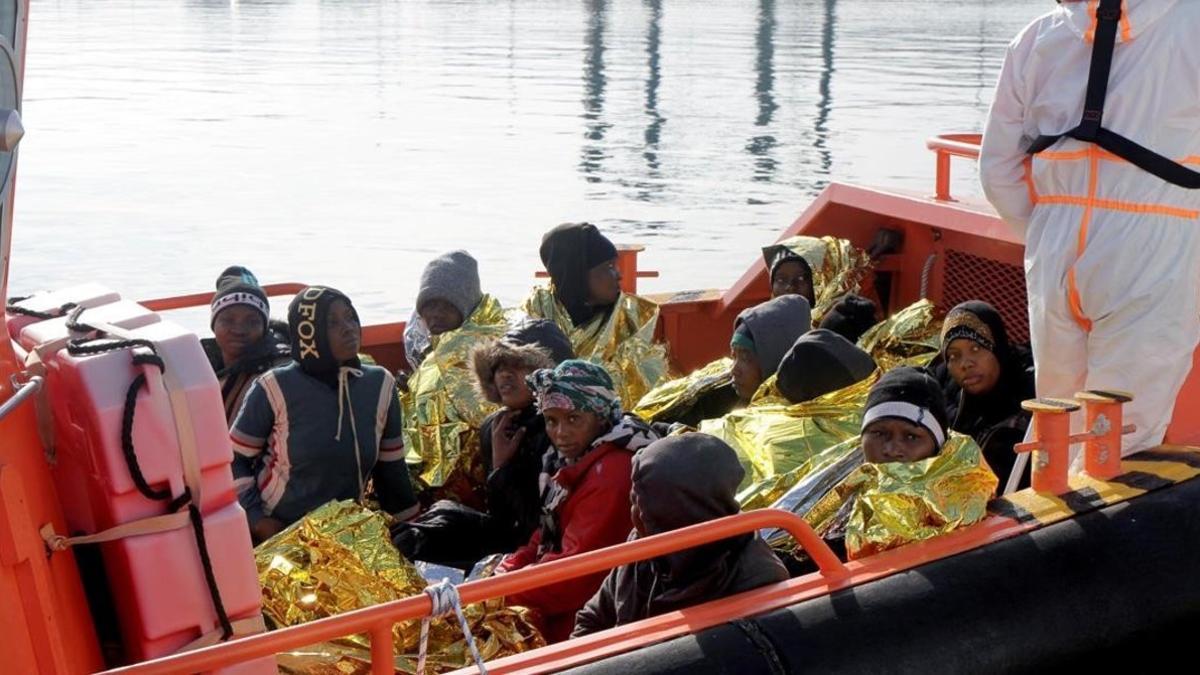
453 277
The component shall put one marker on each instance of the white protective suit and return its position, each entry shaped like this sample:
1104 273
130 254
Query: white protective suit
1112 253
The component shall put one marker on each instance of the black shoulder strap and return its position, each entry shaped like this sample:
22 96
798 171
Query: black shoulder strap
1090 129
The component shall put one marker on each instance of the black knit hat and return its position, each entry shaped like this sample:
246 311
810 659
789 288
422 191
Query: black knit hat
238 286
912 395
308 323
851 316
821 362
569 252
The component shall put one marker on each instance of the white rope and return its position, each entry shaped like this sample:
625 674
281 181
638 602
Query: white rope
445 602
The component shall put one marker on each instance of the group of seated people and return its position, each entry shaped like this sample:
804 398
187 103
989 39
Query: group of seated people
564 467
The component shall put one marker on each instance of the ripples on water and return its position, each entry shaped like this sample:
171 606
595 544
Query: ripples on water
347 142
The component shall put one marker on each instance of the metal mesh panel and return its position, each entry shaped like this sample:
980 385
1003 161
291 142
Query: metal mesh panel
970 277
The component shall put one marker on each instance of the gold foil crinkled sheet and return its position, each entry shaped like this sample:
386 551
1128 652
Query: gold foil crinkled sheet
623 342
340 558
775 440
443 411
897 503
908 337
677 395
838 267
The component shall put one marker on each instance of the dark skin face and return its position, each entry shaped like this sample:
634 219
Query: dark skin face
747 374
572 431
440 316
514 391
345 333
635 514
974 368
791 278
237 328
604 284
895 440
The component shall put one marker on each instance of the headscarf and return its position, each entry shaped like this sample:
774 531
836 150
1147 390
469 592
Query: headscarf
981 323
569 252
575 384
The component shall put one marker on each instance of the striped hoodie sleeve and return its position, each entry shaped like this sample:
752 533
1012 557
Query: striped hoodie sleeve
391 471
249 435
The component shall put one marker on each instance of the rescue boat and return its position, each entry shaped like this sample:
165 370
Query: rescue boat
1098 567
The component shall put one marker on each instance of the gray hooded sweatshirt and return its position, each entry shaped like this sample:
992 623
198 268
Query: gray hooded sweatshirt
680 481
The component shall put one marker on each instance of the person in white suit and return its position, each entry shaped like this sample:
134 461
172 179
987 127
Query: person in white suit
1112 248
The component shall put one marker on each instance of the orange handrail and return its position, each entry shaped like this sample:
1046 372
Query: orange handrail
201 299
378 620
627 265
946 146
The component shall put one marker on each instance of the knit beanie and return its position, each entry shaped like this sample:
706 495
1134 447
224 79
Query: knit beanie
308 321
851 316
821 362
453 277
912 395
569 252
238 286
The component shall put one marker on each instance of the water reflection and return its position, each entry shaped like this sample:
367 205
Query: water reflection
762 145
824 100
653 80
594 83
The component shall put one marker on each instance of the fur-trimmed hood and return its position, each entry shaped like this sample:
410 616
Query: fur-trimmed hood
531 345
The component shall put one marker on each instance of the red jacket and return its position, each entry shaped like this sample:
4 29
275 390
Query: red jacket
594 515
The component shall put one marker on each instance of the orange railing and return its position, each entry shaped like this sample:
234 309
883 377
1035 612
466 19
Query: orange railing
202 299
946 146
377 621
627 265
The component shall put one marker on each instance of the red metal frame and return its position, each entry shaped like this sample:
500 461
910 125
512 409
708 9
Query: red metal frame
946 146
379 619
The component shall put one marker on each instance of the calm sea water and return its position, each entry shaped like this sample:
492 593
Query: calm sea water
346 142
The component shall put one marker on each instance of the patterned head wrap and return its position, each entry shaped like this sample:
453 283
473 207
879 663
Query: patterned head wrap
576 385
976 321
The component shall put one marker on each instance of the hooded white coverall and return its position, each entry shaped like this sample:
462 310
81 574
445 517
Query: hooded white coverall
1112 253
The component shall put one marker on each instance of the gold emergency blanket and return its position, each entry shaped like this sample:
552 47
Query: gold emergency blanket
443 412
774 439
340 558
837 266
623 342
675 396
910 336
901 502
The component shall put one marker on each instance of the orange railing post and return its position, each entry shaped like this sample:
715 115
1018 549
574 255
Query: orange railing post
1053 439
1051 446
1102 447
946 146
627 265
378 619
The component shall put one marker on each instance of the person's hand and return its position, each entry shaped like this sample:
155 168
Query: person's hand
265 528
506 438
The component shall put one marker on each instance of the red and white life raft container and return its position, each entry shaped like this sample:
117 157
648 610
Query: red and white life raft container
176 547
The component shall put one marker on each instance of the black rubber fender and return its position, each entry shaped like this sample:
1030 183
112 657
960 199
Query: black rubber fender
1116 587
